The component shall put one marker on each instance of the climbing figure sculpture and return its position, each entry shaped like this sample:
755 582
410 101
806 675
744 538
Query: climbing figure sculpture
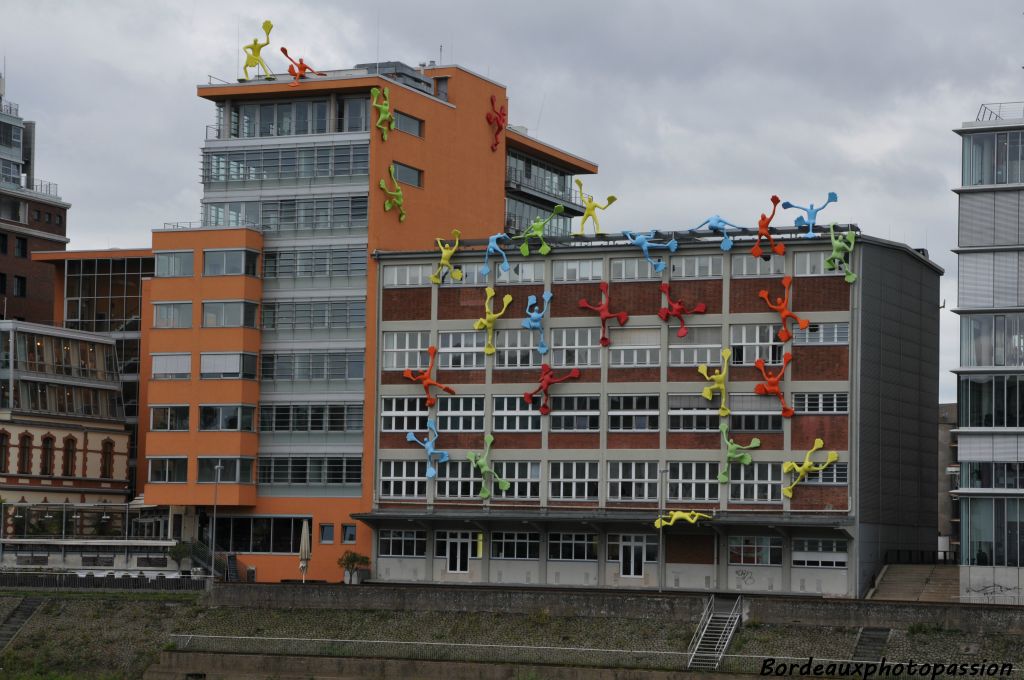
604 311
489 476
423 377
534 320
498 119
494 248
842 248
429 443
771 386
668 520
396 199
447 250
811 212
252 55
676 309
590 208
487 322
536 230
381 100
764 231
734 453
646 242
718 380
802 469
298 69
715 223
781 306
547 379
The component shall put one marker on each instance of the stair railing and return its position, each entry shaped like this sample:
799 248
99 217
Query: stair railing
698 635
733 625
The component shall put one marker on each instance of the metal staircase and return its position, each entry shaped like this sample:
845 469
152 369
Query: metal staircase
17 618
715 631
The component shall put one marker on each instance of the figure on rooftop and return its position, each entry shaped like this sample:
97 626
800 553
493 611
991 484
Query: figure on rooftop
252 54
812 214
764 231
536 230
646 242
842 249
590 209
714 224
494 248
298 69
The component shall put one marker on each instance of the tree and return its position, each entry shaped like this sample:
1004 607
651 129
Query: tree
179 551
352 561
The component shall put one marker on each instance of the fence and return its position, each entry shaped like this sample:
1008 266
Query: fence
111 581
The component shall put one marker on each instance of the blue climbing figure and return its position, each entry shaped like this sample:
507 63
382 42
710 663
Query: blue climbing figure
645 243
428 444
812 214
535 317
715 223
494 248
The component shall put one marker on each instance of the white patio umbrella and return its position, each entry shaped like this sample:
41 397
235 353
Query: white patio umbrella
304 549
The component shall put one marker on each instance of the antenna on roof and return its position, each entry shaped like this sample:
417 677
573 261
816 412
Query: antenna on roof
440 54
378 39
540 113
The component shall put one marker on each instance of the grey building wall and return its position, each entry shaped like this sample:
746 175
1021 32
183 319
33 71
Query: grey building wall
949 526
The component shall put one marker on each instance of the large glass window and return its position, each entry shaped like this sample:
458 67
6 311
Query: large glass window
756 341
513 414
174 264
233 470
310 470
991 401
260 165
461 349
523 478
172 315
632 480
580 547
230 262
312 417
992 340
992 158
168 470
313 366
336 262
276 534
292 315
233 314
405 349
401 543
756 482
762 551
460 414
693 482
691 413
512 545
575 347
174 418
574 480
633 412
403 414
403 478
576 413
172 366
227 365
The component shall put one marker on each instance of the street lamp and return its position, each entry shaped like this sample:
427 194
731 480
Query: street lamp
662 500
213 529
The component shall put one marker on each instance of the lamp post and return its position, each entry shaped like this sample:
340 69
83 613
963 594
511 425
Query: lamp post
662 500
213 527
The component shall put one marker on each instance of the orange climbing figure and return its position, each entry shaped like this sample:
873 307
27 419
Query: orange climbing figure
668 520
497 117
605 313
490 316
547 379
718 380
801 469
764 231
782 307
678 310
771 384
252 54
424 378
298 69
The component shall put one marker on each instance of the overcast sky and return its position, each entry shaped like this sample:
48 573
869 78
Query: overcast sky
690 108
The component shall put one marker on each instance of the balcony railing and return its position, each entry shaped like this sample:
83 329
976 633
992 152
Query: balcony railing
38 186
1001 111
202 224
213 132
515 177
9 108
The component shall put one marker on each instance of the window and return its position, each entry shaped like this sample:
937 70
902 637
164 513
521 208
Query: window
172 315
813 264
756 341
25 454
409 124
225 366
291 118
174 264
403 414
3 284
580 547
751 267
290 315
836 473
514 545
312 417
575 347
633 413
327 533
642 545
401 543
760 551
757 482
232 470
231 417
168 470
837 333
403 478
754 413
520 272
635 347
632 480
313 366
513 414
408 175
337 262
168 418
696 267
49 218
326 213
573 480
691 413
693 482
570 271
458 479
172 366
107 460
288 164
460 414
819 552
820 402
260 534
515 349
67 463
633 269
461 349
310 470
522 476
348 533
398 275
20 286
405 349
229 262
575 413
46 465
3 244
700 345
21 245
235 314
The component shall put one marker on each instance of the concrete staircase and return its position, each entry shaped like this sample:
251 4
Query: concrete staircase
871 644
714 634
17 618
919 583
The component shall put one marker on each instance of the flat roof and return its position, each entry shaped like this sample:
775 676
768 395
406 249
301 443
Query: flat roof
113 253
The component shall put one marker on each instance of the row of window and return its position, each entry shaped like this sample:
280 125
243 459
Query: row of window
233 262
992 475
339 417
335 262
991 401
325 161
992 340
49 464
329 213
299 470
53 355
68 400
810 263
283 366
580 480
278 315
209 470
299 117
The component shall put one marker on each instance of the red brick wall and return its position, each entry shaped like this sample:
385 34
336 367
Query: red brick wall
461 440
520 294
633 440
574 440
405 304
744 374
517 440
565 300
394 378
766 507
820 294
515 375
688 549
582 505
587 375
695 440
636 297
770 441
475 376
819 497
743 293
397 440
831 362
463 302
685 374
832 429
649 374
708 291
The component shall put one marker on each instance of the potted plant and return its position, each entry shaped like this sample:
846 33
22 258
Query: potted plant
352 562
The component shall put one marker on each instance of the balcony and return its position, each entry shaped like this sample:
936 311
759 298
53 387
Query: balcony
38 186
516 180
1000 111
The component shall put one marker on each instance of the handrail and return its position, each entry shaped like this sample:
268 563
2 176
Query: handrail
517 176
724 640
698 635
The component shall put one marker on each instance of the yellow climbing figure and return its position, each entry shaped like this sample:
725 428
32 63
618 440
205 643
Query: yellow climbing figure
801 469
252 54
668 520
590 209
718 380
490 316
447 250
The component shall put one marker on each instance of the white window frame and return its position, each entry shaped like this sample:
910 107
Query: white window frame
632 480
470 275
165 460
575 347
572 547
177 273
821 402
406 275
403 479
626 411
754 413
627 351
827 553
633 269
405 349
513 414
823 333
389 539
516 348
812 263
520 272
213 319
523 477
403 414
753 548
568 410
692 413
461 350
755 483
693 481
695 267
172 315
458 479
460 413
172 366
515 545
686 351
649 541
762 340
571 271
836 474
564 485
746 267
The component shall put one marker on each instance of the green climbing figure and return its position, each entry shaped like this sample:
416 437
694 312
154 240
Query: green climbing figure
395 197
536 230
385 119
490 477
842 248
735 453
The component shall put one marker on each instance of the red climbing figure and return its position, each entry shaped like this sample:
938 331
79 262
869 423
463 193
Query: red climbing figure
602 309
771 384
498 117
424 378
763 231
547 379
782 307
298 69
677 309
